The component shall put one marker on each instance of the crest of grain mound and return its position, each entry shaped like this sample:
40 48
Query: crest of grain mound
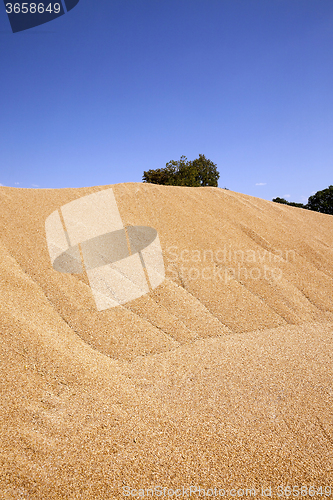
221 375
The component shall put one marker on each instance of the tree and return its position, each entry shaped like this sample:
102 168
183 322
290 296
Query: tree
322 201
290 203
183 173
280 200
199 172
206 171
162 176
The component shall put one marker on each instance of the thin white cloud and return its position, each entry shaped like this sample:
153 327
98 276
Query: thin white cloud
1 185
17 183
287 195
261 183
35 185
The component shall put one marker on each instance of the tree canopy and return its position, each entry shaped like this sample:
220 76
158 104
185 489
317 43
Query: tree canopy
199 172
291 203
321 201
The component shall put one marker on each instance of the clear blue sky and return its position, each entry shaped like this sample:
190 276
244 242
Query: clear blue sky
115 87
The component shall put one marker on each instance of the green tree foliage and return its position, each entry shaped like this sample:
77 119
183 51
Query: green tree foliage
280 200
322 201
199 172
206 171
291 203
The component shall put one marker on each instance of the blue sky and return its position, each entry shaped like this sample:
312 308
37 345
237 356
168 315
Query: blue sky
116 87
